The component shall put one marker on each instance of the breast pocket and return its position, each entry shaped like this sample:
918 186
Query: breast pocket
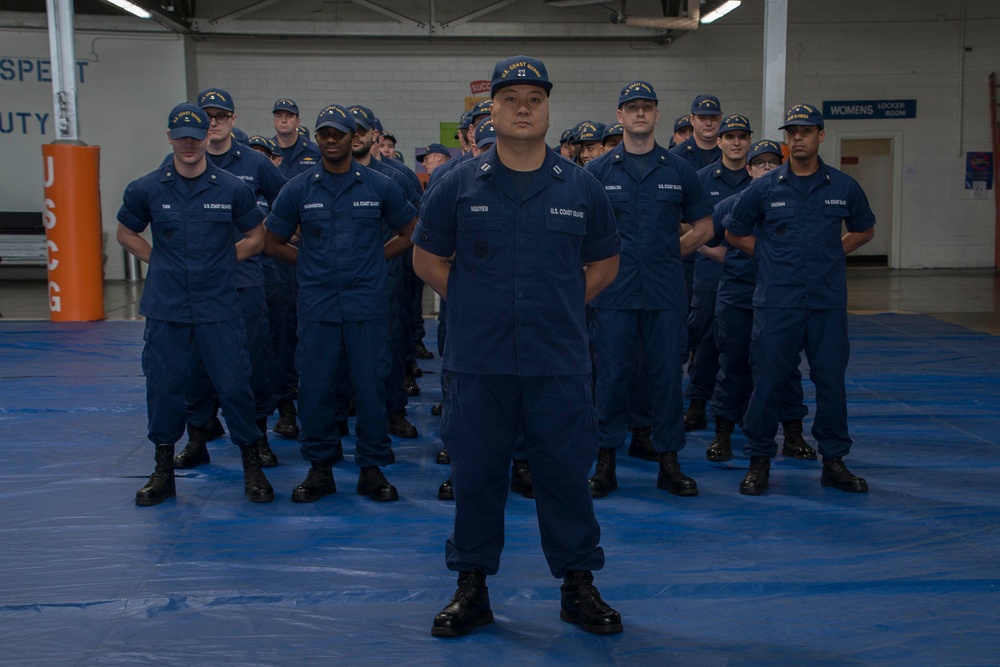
367 228
778 222
479 239
619 200
563 243
316 227
167 225
836 212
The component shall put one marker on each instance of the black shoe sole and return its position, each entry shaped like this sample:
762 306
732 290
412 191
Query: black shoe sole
407 435
301 498
443 460
149 502
260 499
527 493
677 492
752 490
596 629
187 464
853 488
716 458
288 434
602 492
485 619
391 496
446 496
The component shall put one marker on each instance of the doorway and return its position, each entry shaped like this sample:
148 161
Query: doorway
871 162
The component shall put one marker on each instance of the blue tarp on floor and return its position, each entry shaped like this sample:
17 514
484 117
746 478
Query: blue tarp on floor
908 574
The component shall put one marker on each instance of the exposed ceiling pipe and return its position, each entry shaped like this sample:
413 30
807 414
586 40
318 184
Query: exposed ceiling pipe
663 22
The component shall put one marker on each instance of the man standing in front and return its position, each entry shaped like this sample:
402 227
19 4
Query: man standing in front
190 301
790 220
518 241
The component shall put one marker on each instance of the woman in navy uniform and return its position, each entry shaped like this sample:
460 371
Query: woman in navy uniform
190 301
517 241
790 220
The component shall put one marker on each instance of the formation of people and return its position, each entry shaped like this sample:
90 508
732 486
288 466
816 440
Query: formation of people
576 282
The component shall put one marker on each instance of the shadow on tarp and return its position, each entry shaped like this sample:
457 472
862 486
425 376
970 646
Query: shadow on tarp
907 574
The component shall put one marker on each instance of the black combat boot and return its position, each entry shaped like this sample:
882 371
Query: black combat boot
161 483
795 445
672 479
721 448
443 458
372 483
520 478
319 482
445 492
469 607
836 474
195 452
400 427
641 446
286 426
255 484
214 429
604 480
423 352
695 418
582 604
268 459
758 476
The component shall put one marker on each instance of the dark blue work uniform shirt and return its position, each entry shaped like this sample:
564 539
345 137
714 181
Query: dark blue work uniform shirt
800 255
648 210
303 157
265 181
192 269
694 156
739 272
408 173
719 183
516 290
341 267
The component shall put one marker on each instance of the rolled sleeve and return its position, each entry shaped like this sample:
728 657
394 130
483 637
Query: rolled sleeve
134 211
743 218
862 217
284 217
432 241
246 214
602 240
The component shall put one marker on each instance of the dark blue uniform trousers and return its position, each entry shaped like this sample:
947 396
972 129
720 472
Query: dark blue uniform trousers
615 335
282 323
778 335
400 341
483 415
640 406
200 390
319 358
701 331
166 363
734 382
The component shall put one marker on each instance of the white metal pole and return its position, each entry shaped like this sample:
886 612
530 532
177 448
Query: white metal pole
775 48
61 50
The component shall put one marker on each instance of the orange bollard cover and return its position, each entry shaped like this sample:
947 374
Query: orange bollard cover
72 219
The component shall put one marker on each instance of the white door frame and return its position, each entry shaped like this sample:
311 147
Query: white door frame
895 227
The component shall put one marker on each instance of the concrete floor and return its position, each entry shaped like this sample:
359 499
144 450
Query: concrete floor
968 297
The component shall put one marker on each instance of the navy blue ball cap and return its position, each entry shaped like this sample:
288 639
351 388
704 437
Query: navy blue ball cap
285 104
567 135
337 117
590 132
267 144
483 108
434 148
303 131
519 71
706 105
389 136
803 114
363 116
239 136
376 124
637 90
465 121
735 123
615 130
763 147
216 98
187 120
485 134
682 122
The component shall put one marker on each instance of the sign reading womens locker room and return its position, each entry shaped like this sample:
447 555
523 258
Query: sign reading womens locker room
869 109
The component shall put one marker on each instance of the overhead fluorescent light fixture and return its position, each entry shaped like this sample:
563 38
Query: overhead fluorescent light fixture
570 3
133 8
718 12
